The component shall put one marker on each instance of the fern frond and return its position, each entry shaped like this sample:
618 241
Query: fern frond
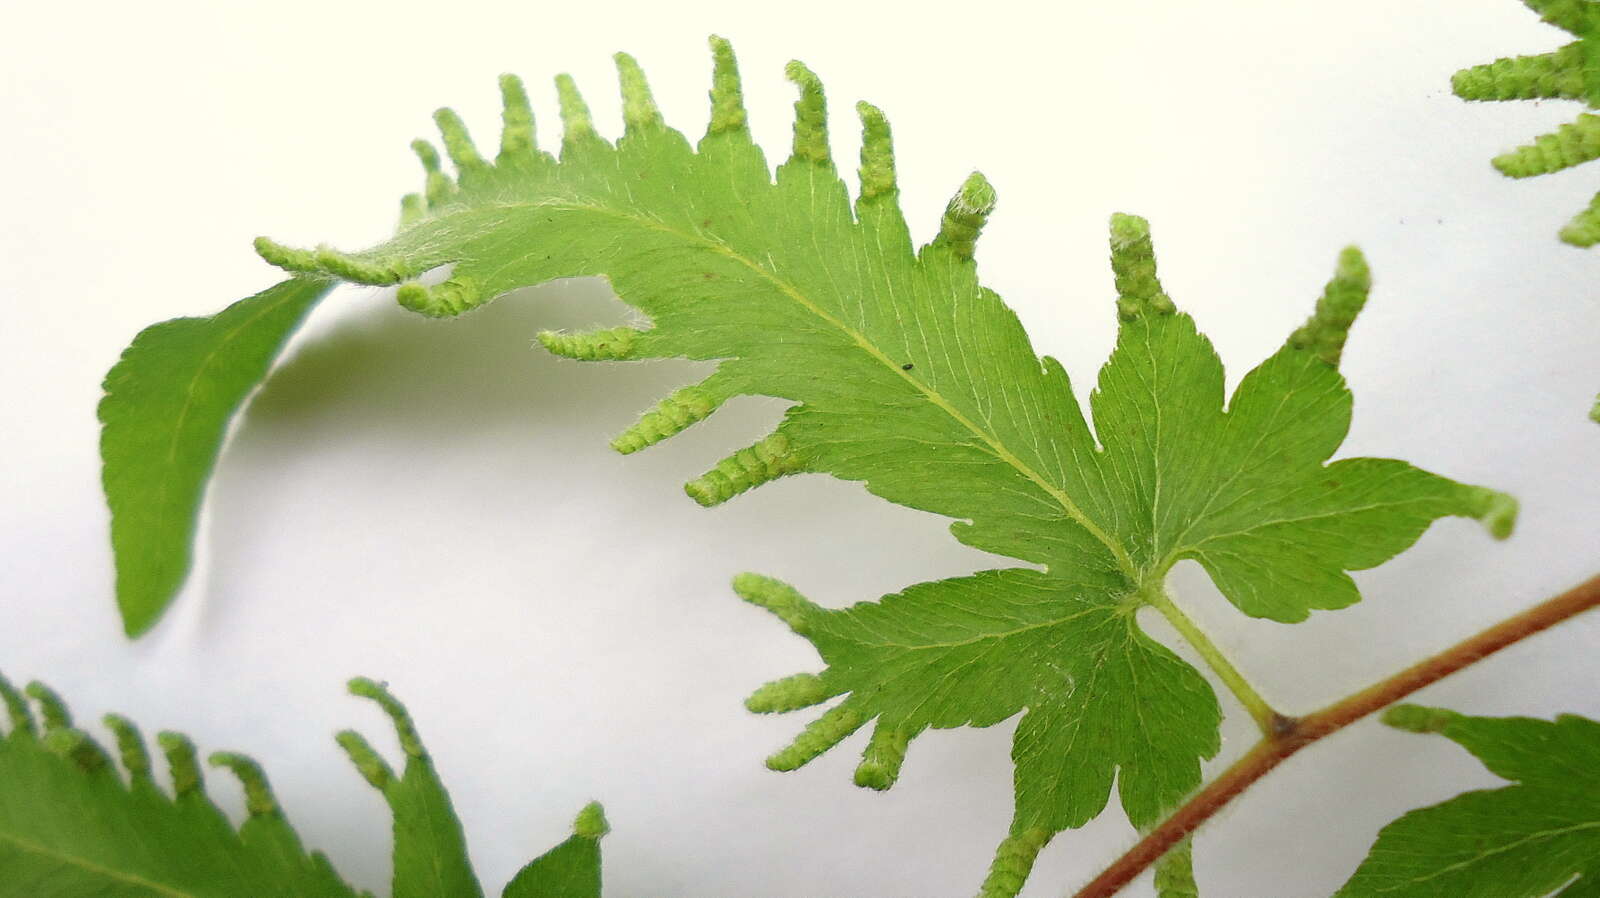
1570 73
71 825
910 377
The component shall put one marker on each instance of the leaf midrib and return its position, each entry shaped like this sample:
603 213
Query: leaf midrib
987 637
91 867
1118 551
1498 849
189 393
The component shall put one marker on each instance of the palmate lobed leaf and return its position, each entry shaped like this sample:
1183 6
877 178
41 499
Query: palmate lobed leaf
1539 836
909 376
71 826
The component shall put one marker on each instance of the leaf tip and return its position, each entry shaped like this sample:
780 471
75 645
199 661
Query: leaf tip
376 272
772 458
437 186
21 718
1419 718
372 767
258 798
877 170
1497 511
639 109
881 761
610 345
810 116
576 122
130 746
1583 230
51 708
674 414
965 216
285 257
78 747
458 143
790 693
427 155
591 822
1133 266
413 208
378 692
182 763
777 597
447 299
1127 230
1013 861
1328 328
727 93
822 734
516 119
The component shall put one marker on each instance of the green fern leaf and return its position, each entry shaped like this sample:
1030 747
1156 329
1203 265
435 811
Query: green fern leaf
909 376
1525 840
569 870
70 825
1570 73
166 410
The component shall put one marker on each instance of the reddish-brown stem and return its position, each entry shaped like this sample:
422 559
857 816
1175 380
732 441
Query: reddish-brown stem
1290 734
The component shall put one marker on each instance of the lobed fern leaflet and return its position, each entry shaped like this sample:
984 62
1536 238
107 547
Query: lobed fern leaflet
909 376
1538 836
70 825
167 405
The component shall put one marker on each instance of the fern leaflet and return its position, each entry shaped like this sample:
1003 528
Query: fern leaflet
166 410
1570 73
1529 839
909 376
70 825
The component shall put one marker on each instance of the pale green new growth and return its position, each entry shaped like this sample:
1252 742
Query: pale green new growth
877 153
591 822
727 95
1175 873
746 469
1325 333
516 120
70 825
687 406
183 765
910 377
1537 837
810 117
607 345
1013 861
1133 263
258 797
130 746
1570 73
569 870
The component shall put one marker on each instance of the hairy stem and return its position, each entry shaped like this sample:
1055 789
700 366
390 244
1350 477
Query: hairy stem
1266 717
1293 734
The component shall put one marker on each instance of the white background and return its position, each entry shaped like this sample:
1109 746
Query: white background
433 503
